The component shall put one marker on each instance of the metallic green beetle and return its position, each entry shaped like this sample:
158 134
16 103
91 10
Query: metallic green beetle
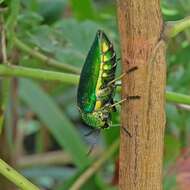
97 85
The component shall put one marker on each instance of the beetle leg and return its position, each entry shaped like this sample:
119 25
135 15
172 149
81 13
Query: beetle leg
118 59
131 69
91 132
125 99
113 107
104 92
133 97
105 126
116 79
118 83
117 103
122 75
93 145
127 132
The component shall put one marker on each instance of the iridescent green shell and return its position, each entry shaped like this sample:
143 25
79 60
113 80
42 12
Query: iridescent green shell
95 93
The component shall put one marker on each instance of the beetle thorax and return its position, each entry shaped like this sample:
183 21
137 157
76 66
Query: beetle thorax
97 119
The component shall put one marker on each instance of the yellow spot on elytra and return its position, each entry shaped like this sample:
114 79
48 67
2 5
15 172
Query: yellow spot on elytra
107 67
98 104
104 74
104 58
104 47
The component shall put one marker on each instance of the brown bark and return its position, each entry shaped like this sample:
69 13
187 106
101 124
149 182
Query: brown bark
141 25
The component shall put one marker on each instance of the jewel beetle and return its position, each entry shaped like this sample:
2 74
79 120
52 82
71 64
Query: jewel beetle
97 83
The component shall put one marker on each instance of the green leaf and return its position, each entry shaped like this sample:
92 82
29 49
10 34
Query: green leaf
44 38
58 124
78 34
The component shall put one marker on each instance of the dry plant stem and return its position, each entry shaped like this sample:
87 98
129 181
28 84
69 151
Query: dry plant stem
15 177
141 156
94 167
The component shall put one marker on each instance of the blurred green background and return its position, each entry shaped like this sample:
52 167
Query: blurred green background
43 136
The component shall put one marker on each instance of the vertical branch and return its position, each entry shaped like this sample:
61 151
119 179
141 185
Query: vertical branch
141 25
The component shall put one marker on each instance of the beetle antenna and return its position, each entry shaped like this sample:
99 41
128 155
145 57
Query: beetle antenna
93 145
90 149
91 132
